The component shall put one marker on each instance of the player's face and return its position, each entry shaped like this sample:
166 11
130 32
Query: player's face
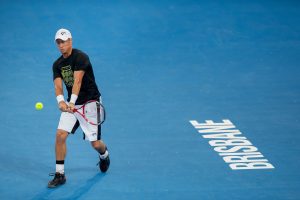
64 46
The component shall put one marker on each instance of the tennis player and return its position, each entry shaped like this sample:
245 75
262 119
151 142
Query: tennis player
73 68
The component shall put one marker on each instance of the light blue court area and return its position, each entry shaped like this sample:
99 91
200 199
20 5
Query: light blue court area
160 65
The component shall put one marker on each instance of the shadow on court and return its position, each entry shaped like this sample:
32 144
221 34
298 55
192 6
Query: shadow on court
78 192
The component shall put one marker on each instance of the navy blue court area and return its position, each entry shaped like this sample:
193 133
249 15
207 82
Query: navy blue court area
202 99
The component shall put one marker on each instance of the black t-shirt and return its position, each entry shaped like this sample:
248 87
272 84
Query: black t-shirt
65 67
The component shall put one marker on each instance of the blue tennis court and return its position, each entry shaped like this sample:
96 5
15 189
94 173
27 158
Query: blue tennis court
173 76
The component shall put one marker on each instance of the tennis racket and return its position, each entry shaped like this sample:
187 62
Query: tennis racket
92 111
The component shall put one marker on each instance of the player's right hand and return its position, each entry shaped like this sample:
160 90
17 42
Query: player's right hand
63 106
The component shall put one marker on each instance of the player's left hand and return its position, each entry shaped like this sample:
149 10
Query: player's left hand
71 108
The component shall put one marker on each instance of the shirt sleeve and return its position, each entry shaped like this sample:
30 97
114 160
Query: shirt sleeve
82 62
56 72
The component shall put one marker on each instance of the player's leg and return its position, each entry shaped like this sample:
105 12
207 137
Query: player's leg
93 134
60 149
104 160
60 152
67 124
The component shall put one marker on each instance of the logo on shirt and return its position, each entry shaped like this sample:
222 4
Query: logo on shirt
67 75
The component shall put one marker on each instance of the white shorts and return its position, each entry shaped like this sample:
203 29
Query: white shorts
70 122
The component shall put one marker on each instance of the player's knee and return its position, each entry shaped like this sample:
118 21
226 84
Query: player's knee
96 144
61 136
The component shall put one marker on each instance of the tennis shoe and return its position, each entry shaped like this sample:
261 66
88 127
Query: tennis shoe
59 179
104 164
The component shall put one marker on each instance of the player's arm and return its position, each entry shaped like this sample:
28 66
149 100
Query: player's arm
58 86
78 76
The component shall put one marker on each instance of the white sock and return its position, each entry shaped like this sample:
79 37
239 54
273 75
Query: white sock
103 156
60 168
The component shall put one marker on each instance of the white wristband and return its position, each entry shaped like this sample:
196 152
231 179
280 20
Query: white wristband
60 98
73 98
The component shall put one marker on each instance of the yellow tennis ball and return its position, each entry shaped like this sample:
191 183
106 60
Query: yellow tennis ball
39 106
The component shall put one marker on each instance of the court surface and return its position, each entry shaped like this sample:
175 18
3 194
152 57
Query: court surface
159 65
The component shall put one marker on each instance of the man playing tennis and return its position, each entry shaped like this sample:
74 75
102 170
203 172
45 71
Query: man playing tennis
73 68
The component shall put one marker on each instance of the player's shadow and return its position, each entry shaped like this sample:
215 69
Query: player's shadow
43 195
86 187
83 189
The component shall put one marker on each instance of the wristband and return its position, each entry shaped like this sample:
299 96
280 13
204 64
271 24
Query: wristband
60 98
73 98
